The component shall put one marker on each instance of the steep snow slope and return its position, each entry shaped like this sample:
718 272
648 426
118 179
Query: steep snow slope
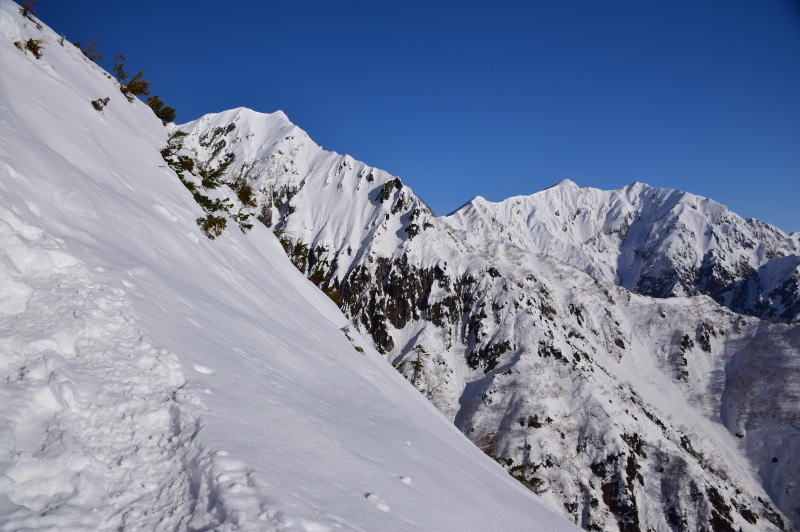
153 379
622 411
652 241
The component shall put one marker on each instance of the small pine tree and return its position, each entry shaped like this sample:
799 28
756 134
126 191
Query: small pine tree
27 8
165 113
246 196
34 46
119 68
90 50
212 226
185 163
155 103
136 87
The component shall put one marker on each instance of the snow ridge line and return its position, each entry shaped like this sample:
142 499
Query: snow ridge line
94 425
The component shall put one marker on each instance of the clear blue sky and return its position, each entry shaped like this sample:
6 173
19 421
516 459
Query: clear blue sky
494 98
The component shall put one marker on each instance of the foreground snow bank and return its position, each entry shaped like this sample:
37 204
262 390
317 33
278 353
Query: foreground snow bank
93 431
155 380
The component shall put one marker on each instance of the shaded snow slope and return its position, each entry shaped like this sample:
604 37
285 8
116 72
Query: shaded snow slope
623 411
153 379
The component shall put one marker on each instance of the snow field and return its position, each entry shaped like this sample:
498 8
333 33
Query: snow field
94 433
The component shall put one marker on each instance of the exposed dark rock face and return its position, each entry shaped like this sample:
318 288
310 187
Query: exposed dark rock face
387 189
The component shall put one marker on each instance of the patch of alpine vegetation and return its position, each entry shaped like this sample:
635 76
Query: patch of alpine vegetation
578 387
91 412
202 180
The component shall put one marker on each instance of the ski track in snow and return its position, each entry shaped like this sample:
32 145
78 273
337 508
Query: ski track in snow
93 429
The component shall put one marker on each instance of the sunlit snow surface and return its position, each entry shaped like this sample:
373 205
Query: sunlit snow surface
153 379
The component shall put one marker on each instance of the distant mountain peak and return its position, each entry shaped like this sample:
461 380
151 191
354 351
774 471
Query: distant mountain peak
566 183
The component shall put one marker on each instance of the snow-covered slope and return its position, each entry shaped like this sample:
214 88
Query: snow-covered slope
621 410
153 379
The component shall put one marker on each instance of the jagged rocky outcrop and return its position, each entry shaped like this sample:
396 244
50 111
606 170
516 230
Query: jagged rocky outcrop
539 326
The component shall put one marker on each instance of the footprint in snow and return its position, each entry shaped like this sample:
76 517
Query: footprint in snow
406 480
377 502
203 369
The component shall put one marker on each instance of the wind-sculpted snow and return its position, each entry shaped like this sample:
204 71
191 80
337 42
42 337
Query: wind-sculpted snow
517 321
154 379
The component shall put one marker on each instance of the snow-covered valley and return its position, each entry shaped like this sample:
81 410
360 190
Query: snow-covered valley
627 359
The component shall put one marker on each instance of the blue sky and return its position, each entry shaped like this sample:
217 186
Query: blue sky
494 98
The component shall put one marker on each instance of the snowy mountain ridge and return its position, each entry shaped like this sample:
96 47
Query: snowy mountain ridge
489 312
657 242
